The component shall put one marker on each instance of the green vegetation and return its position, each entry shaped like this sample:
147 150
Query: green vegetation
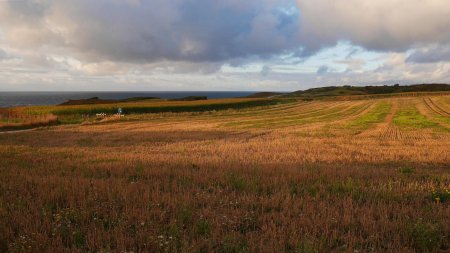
376 115
408 117
264 94
369 90
135 108
295 118
190 98
426 236
406 170
343 188
441 195
85 110
440 118
96 100
204 228
74 114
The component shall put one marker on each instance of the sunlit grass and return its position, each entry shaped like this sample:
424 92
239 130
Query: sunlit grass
408 117
376 115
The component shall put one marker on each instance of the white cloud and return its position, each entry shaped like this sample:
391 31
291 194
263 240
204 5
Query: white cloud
387 25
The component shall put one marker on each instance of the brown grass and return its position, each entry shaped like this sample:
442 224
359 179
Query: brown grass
289 178
16 119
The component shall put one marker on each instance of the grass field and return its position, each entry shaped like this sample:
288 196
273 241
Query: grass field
366 175
73 114
17 118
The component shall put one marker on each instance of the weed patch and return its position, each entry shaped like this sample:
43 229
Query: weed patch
426 237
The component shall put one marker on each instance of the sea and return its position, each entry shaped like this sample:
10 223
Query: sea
13 99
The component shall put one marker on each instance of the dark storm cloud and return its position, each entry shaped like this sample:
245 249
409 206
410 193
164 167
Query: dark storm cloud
149 31
142 31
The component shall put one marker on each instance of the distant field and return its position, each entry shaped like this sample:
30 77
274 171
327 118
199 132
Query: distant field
14 119
74 114
231 175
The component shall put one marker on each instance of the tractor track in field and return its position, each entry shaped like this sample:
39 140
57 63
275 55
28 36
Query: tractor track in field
435 108
360 112
291 114
430 110
345 118
387 131
394 133
383 128
321 120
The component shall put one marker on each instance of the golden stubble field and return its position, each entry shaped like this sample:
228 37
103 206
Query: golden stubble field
319 176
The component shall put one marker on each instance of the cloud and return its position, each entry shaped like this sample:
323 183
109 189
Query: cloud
384 25
186 44
140 31
430 54
3 54
396 67
265 70
352 64
157 30
322 70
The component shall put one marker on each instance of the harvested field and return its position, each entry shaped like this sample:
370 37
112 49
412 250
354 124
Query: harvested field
369 175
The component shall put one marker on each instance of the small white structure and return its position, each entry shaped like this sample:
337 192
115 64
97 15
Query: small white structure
100 115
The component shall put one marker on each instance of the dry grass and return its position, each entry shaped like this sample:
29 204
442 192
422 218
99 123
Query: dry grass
301 177
15 119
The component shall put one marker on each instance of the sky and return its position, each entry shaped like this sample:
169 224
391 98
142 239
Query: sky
221 45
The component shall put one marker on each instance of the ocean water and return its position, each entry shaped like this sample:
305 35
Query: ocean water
11 99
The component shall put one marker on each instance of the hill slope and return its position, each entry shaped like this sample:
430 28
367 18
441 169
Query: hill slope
369 90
